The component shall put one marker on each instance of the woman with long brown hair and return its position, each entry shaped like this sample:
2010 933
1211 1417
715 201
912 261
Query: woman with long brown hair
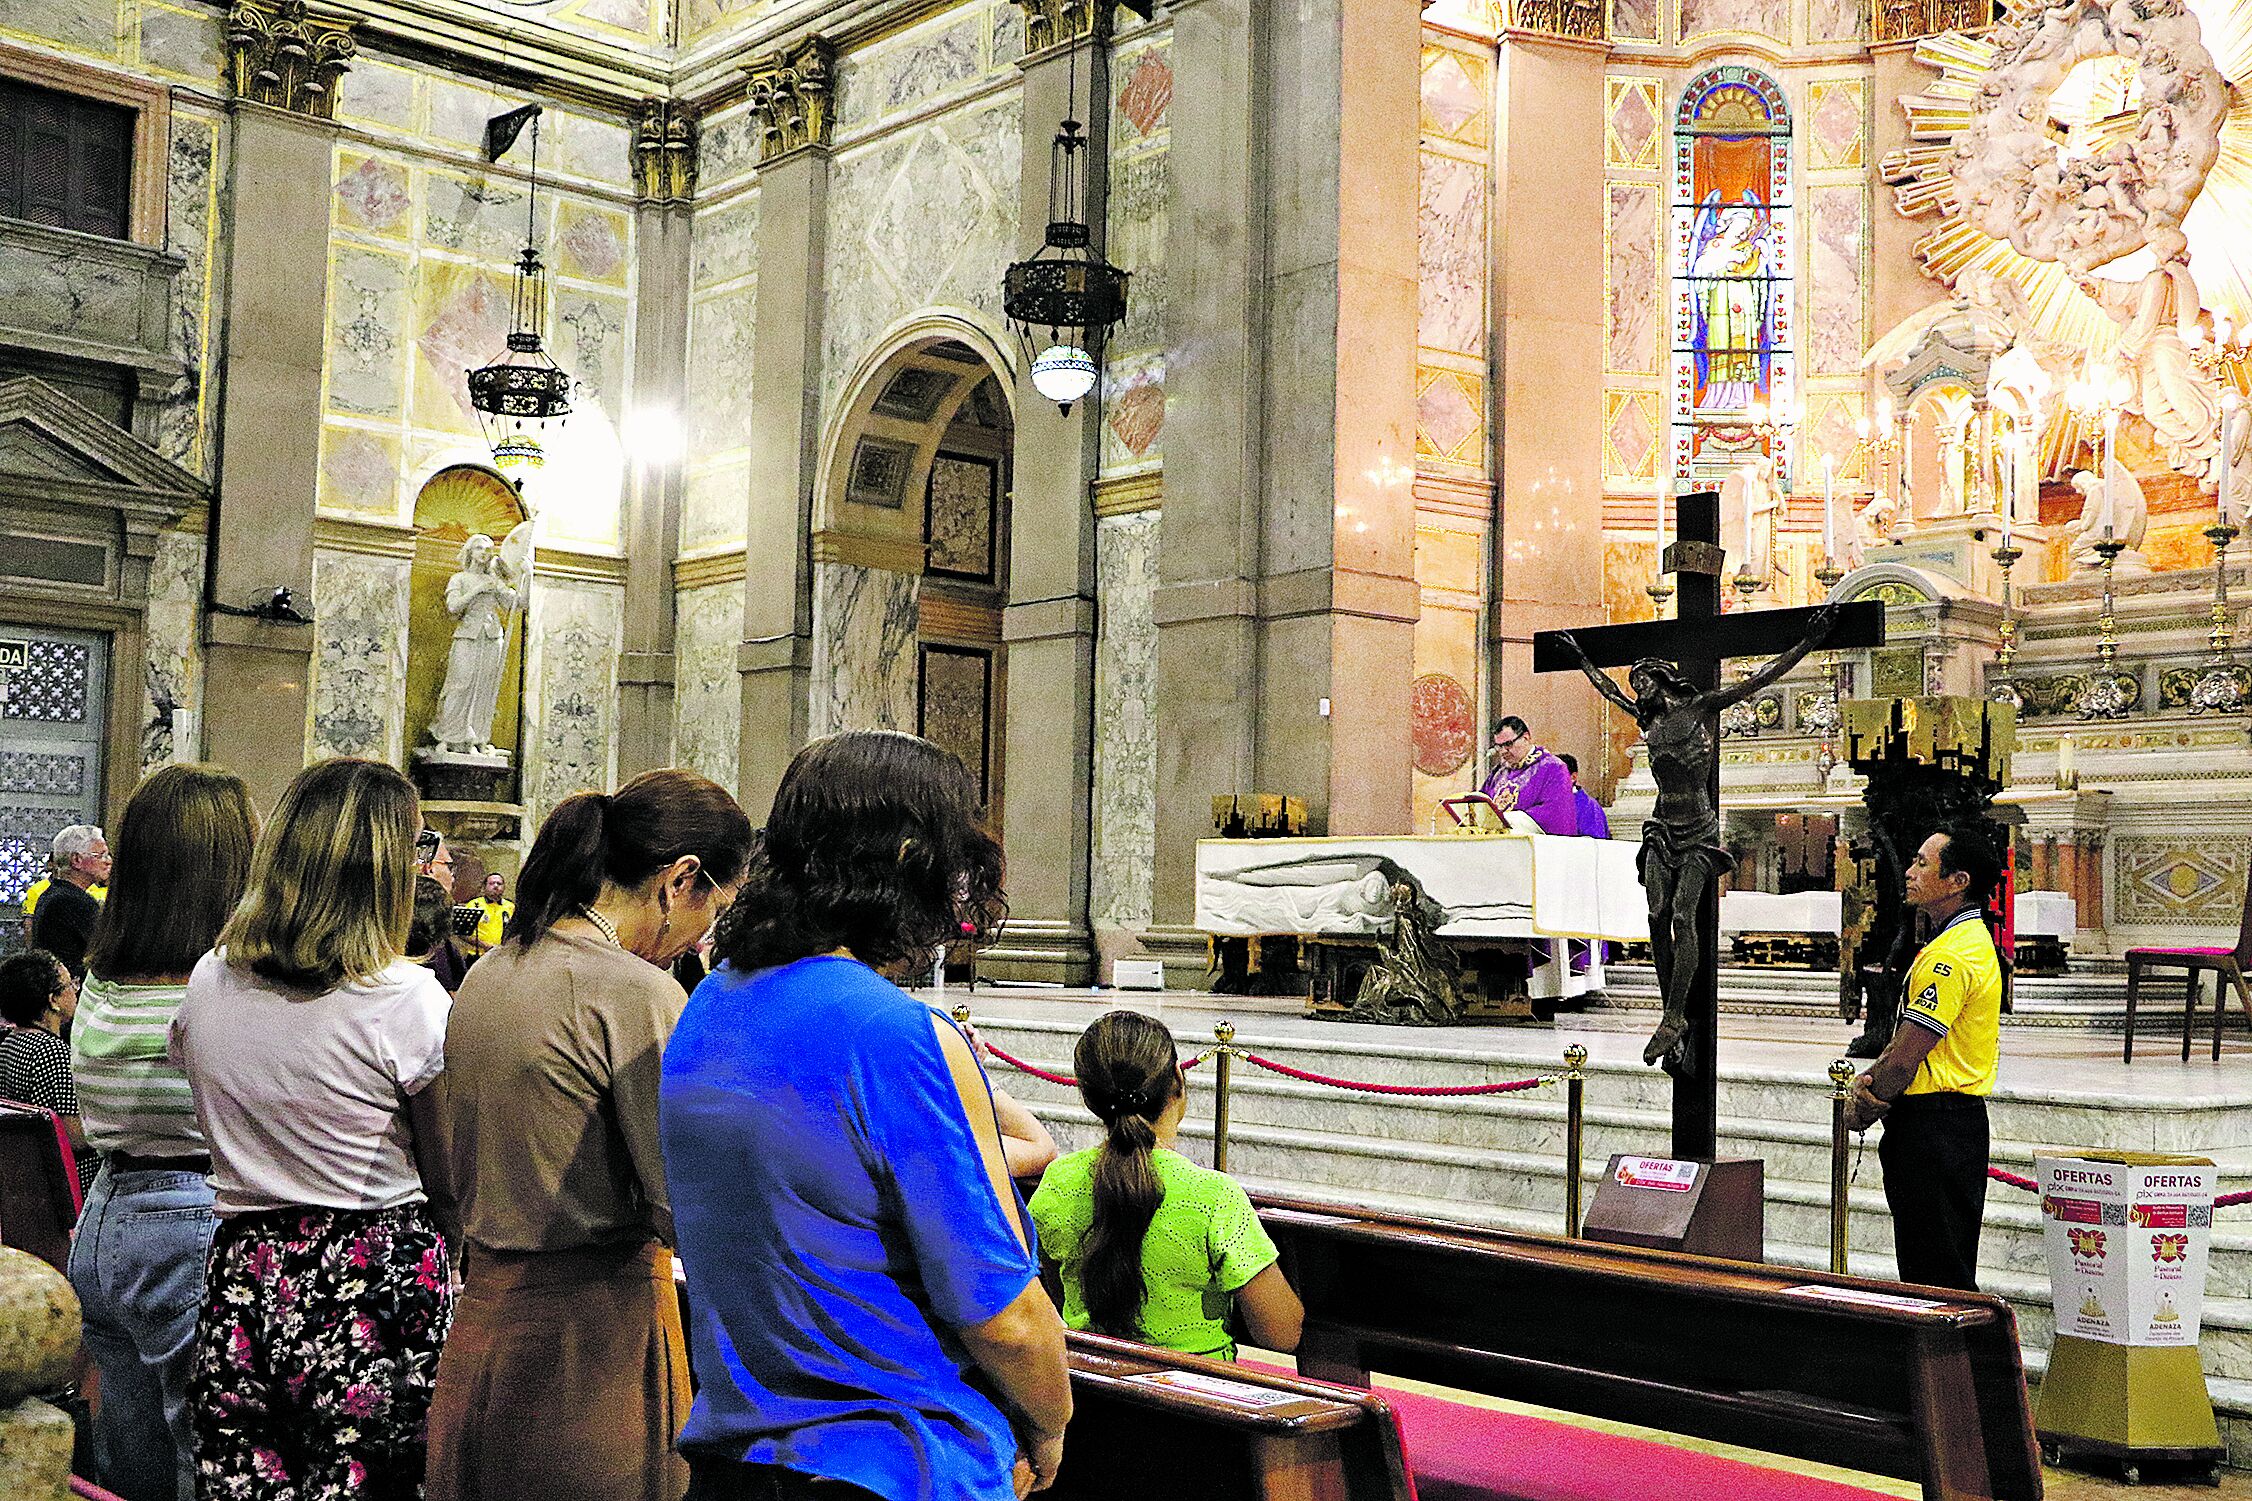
1149 1245
179 866
566 1374
310 1042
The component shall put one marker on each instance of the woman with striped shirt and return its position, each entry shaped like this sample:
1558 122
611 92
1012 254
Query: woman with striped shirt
182 858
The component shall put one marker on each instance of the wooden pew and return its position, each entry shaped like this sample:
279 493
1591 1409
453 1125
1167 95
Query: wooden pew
1149 1424
1893 1379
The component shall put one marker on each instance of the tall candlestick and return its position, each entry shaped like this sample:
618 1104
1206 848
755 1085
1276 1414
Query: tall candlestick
2110 433
1829 509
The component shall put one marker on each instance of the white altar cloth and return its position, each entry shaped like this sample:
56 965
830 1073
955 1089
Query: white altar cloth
1818 912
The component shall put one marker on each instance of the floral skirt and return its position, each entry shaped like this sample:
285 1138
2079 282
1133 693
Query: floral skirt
316 1354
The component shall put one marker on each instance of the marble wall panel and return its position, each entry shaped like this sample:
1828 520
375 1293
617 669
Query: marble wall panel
1139 186
172 673
865 623
1133 413
367 316
713 506
380 93
374 195
1836 21
1630 126
1634 20
923 219
1451 255
592 242
707 697
481 215
1768 18
72 25
705 20
597 148
897 74
1125 791
184 43
721 330
460 321
571 729
591 342
1836 123
72 297
1835 335
360 471
1142 93
727 240
1632 281
359 655
192 218
728 149
2180 880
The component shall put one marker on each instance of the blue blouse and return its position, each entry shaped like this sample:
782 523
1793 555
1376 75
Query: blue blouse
838 1227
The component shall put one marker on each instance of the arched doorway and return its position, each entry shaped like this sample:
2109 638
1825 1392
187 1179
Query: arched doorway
911 555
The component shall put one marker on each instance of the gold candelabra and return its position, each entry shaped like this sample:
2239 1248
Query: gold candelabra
1742 717
1825 717
2003 689
2106 695
2220 689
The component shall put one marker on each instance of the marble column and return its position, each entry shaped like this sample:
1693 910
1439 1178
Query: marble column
656 481
1048 624
776 657
1286 597
1550 319
257 675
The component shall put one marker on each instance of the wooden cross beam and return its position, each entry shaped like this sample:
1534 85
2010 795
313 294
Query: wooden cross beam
1698 642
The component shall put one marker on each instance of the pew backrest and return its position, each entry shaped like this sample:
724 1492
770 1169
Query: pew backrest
1897 1380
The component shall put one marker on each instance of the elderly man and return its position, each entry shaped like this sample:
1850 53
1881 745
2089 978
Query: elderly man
64 923
1531 781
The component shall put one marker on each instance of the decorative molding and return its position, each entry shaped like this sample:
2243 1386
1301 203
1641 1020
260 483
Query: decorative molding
286 56
664 151
370 538
1906 20
957 619
565 564
1578 20
793 92
1132 493
896 554
728 567
1049 24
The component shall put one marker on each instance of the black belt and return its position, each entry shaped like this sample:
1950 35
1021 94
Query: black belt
133 1162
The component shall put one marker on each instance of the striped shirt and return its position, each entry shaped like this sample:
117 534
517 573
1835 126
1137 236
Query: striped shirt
131 1096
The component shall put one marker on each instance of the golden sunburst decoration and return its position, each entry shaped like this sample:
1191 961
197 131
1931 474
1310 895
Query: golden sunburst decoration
2104 108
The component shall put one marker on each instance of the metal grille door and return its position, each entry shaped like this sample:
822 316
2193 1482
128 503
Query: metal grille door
50 752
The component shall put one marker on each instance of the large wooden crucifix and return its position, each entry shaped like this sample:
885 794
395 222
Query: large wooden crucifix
1677 700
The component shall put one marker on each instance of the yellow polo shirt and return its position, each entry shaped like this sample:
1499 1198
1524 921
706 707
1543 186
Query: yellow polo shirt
492 920
1955 989
39 889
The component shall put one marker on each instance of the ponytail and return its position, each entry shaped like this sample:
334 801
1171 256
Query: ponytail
1128 1073
564 871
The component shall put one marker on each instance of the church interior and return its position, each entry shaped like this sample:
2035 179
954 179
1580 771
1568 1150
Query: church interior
1189 413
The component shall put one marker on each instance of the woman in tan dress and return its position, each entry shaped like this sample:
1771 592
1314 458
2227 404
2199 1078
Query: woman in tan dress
566 1374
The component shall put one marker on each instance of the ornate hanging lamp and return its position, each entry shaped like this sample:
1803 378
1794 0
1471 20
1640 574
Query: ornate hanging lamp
1065 300
521 392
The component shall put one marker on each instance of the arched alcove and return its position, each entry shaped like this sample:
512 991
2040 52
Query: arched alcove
455 503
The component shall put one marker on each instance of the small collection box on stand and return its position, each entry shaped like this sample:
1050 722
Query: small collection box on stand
2128 1235
1673 1204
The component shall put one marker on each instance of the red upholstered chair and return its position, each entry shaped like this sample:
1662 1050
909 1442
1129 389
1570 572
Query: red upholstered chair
2228 965
39 1198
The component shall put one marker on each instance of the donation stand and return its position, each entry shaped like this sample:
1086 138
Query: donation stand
2128 1235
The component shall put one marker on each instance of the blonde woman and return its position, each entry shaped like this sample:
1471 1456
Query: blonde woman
310 1044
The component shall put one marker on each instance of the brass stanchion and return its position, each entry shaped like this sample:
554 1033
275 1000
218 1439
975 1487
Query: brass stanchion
961 1014
1223 1068
1841 1089
1575 1098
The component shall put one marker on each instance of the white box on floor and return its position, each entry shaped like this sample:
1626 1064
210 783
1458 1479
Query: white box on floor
2046 914
1137 974
1765 912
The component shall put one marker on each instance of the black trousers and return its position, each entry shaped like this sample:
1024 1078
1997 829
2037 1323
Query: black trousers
1934 1157
722 1481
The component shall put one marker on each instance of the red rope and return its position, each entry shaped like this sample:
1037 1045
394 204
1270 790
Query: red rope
2241 1196
1032 1069
1447 1089
2013 1180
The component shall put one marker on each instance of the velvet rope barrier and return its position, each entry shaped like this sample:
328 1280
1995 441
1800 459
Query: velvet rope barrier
1434 1090
1038 1072
2220 1201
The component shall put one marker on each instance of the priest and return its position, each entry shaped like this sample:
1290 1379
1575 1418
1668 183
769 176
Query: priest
1530 780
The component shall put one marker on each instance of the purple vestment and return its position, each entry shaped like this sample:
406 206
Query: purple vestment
1541 789
1594 824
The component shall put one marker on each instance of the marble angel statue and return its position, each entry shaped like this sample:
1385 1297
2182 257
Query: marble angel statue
1750 494
491 586
2154 315
2130 515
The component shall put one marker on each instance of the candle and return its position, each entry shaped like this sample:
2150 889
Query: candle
2067 775
2228 510
1829 509
1660 499
2110 432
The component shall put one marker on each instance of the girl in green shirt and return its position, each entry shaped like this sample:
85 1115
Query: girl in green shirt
1148 1245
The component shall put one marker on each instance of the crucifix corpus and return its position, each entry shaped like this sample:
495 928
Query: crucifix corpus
1677 699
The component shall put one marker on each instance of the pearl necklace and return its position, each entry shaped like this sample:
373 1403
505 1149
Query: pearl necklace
602 925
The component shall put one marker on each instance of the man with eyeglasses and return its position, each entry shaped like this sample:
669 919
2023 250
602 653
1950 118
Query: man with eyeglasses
1531 781
64 924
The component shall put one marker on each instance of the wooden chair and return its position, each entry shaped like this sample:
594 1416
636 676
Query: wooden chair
2228 965
39 1198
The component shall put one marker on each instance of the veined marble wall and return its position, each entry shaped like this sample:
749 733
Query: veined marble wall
707 693
575 631
424 234
1141 136
194 191
865 623
358 704
722 326
1125 794
172 673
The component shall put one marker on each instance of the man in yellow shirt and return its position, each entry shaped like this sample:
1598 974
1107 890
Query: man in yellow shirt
1930 1084
493 913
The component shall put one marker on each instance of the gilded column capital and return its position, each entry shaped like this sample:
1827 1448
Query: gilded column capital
1906 20
793 91
664 151
1049 24
1581 20
282 54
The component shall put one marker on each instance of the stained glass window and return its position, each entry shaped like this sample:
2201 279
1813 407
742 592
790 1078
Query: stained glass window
1733 249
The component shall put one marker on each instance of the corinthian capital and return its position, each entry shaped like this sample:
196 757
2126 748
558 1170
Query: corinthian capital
793 91
664 151
1579 19
282 54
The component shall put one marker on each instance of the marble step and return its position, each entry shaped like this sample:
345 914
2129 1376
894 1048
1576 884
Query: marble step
2095 1001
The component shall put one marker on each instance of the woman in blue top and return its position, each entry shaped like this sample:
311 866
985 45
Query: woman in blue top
866 1311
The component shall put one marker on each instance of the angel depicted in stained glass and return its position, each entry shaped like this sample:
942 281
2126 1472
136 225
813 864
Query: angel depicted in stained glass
1728 263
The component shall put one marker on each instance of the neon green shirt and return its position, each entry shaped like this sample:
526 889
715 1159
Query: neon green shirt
1204 1243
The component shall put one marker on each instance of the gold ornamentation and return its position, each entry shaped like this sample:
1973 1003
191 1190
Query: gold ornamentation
1905 20
1569 18
1059 23
664 151
793 92
285 55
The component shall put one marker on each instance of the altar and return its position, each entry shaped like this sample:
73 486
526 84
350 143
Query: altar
1498 896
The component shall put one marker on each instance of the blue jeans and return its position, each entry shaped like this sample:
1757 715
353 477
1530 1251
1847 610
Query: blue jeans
138 1265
